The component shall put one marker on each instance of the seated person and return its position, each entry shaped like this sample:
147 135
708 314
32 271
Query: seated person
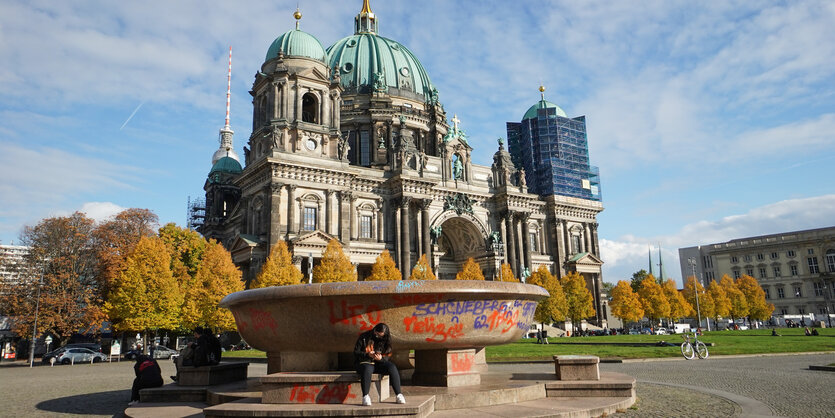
371 355
148 375
206 351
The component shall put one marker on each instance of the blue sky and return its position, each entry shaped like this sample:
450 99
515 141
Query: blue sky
709 120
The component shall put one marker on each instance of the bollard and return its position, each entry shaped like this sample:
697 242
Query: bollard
92 358
52 362
72 361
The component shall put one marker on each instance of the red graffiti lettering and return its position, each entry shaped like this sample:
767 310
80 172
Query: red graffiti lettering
503 319
262 319
461 362
427 325
364 316
327 393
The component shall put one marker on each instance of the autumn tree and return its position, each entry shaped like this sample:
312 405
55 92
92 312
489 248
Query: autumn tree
216 277
625 303
507 274
738 304
653 299
704 305
758 307
721 303
470 271
335 266
384 268
579 299
61 263
679 307
555 306
638 278
115 238
279 269
146 296
422 270
186 248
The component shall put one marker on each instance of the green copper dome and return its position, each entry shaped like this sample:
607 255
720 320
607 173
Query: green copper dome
226 165
364 55
296 43
543 104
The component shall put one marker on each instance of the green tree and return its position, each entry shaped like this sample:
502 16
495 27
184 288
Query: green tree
470 271
384 268
679 307
422 270
738 306
507 274
146 296
186 248
335 266
721 303
279 269
578 297
653 299
758 307
705 303
638 278
216 277
626 304
555 306
61 263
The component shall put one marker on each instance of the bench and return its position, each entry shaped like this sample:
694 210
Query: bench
574 367
212 375
320 387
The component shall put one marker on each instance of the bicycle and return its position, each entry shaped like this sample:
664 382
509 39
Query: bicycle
690 349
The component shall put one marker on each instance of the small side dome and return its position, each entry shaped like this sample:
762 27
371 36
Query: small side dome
296 43
227 165
543 104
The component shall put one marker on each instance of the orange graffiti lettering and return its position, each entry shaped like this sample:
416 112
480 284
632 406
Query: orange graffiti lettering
327 393
427 325
461 362
363 316
262 319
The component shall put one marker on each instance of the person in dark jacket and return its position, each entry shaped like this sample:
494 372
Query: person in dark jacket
148 375
207 351
371 355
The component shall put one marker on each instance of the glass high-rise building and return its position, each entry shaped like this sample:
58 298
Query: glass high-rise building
553 150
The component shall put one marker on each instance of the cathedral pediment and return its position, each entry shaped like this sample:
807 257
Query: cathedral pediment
314 239
244 242
314 73
585 263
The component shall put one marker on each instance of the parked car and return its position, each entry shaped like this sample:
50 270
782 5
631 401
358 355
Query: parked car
79 355
661 331
90 346
634 331
52 354
161 351
131 354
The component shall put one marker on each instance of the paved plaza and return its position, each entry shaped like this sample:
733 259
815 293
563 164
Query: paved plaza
730 386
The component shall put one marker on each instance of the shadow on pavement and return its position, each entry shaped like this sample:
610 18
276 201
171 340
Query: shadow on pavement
111 403
534 376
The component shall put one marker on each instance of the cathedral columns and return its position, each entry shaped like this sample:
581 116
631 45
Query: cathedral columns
526 241
275 208
595 240
380 220
328 211
511 243
291 191
427 242
405 255
345 216
587 238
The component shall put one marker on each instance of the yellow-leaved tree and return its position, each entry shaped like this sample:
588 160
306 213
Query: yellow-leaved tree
758 307
679 307
625 303
704 306
145 295
721 303
216 277
470 271
507 274
653 299
384 268
580 300
279 269
335 266
422 270
555 306
738 305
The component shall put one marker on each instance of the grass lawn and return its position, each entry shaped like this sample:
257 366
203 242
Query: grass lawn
725 342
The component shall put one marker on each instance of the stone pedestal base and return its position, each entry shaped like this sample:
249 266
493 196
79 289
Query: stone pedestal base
212 375
448 368
296 361
577 367
321 388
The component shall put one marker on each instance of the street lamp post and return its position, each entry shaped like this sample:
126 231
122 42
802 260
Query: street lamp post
35 326
692 262
827 299
498 249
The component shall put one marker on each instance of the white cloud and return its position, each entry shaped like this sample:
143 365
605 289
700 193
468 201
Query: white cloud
100 211
628 254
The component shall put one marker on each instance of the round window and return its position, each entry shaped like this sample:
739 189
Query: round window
311 144
351 43
347 67
404 72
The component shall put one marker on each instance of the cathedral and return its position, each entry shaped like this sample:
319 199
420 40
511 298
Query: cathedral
352 143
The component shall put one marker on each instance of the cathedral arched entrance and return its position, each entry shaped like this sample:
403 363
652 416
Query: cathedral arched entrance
461 238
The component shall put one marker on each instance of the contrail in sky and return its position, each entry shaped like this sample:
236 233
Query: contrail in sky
131 115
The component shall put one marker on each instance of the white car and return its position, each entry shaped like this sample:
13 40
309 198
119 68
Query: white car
661 331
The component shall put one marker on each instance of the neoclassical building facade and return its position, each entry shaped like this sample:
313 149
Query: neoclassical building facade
352 143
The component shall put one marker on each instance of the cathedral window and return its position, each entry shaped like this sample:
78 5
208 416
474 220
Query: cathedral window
309 219
365 226
365 148
575 244
534 241
310 108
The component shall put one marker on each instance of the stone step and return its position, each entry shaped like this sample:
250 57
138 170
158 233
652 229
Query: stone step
610 384
166 410
478 396
546 407
416 406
